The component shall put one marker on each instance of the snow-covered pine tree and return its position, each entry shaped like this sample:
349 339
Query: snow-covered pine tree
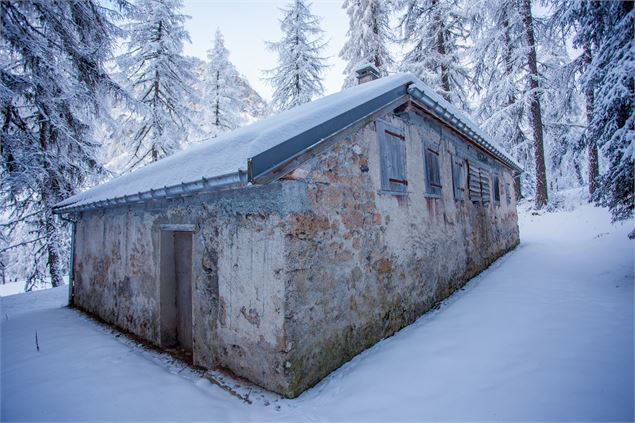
298 77
603 30
562 107
514 96
221 96
255 106
160 78
499 72
563 123
367 38
612 74
52 84
433 31
584 20
535 108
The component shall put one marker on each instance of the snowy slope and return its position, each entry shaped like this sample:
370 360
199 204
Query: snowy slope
12 288
545 334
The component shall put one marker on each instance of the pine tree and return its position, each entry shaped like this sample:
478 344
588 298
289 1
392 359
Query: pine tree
160 78
541 197
433 31
368 36
52 83
221 95
573 16
254 105
603 30
498 74
524 82
589 95
611 73
298 77
562 119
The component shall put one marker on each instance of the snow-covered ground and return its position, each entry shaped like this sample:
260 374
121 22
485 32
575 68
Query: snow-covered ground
12 288
545 334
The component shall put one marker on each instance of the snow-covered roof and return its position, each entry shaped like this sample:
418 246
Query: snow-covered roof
223 161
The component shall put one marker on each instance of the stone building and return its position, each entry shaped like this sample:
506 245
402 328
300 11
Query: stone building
282 249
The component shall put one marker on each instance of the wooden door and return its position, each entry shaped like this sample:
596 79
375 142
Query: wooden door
183 276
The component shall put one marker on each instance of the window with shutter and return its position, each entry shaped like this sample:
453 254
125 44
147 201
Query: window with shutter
497 193
432 171
392 151
486 192
474 182
458 180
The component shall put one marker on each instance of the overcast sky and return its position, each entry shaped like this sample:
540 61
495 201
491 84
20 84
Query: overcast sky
247 24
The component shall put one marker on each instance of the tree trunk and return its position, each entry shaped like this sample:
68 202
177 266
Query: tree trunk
376 59
445 75
589 97
53 244
511 99
536 113
50 193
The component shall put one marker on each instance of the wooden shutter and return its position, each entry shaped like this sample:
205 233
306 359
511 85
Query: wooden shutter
457 179
392 151
432 170
474 182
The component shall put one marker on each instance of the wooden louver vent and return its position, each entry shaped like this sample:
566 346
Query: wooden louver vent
479 184
485 187
474 182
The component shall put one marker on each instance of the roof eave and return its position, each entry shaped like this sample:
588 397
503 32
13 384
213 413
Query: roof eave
186 189
264 163
464 127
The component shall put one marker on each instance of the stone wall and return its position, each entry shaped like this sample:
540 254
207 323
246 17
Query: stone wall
364 263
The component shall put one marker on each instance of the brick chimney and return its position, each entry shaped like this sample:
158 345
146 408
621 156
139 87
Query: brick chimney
367 72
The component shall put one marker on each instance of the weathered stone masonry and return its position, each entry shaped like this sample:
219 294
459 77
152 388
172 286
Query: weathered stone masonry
293 278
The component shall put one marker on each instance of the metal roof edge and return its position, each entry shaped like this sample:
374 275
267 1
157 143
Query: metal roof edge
467 128
273 157
184 189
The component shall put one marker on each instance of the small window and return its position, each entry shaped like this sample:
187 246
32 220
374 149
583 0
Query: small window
497 193
392 151
458 180
432 171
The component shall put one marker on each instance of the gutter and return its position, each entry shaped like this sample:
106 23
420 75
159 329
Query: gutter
458 123
185 189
